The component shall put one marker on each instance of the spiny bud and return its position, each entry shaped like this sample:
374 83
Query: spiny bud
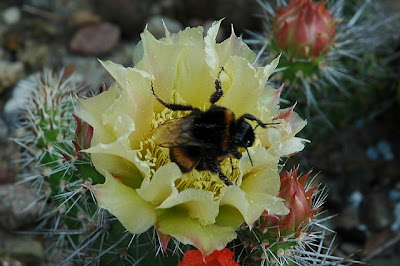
303 29
297 200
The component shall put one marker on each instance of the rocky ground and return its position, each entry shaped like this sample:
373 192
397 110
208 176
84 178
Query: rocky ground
358 161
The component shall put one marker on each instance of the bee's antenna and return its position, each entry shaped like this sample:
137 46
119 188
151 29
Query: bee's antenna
266 124
259 122
248 153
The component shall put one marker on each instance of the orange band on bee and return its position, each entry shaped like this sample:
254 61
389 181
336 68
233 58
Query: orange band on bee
185 162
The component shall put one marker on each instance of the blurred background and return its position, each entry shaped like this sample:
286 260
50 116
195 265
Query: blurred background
354 128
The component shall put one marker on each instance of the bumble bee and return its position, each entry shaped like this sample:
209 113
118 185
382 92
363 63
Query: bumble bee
200 139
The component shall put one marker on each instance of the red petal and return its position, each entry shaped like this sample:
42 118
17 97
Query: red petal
225 258
192 258
164 239
285 113
222 257
303 179
78 123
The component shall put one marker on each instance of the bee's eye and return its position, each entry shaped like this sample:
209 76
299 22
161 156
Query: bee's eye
244 135
249 141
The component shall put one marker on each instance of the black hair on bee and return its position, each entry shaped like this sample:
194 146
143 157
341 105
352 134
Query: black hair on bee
200 139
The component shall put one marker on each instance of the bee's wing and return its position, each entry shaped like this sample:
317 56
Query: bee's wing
175 133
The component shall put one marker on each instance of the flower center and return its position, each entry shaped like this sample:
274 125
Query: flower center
157 156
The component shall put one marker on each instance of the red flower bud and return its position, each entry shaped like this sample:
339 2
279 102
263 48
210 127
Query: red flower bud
297 200
304 29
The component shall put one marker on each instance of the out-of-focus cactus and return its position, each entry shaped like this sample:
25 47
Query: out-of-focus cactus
324 46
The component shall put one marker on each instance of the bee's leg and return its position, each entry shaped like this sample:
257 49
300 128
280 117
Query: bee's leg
215 168
224 179
173 106
218 89
207 164
236 153
259 122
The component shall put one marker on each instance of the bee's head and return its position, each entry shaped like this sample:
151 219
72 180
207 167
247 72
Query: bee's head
243 135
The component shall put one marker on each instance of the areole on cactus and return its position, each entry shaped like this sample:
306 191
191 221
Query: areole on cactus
303 29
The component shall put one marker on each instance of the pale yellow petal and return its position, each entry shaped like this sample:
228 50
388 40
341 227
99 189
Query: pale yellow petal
160 60
125 171
135 214
265 72
198 203
291 146
135 101
161 184
121 149
193 83
269 102
260 202
212 57
235 197
229 216
296 123
281 139
234 46
259 188
140 101
138 53
206 238
117 71
190 37
116 121
90 112
242 93
263 175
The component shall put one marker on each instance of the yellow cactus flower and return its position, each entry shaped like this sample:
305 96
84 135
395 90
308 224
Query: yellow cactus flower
143 188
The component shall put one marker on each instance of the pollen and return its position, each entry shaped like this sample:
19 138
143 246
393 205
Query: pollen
153 155
205 180
156 156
